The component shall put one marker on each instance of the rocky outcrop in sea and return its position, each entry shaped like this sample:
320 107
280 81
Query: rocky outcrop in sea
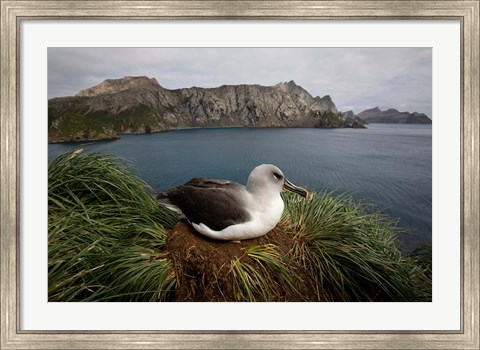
393 116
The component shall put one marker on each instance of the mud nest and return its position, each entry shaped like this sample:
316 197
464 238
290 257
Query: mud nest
252 270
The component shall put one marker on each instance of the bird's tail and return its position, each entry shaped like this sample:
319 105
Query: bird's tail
163 199
162 196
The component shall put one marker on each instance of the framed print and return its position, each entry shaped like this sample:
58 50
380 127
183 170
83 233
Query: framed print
213 89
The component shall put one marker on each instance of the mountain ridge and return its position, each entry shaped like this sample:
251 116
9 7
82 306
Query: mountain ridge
393 116
142 105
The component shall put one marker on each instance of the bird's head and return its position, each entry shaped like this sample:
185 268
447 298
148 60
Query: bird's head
269 178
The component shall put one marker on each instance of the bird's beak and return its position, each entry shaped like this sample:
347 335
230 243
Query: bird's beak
289 187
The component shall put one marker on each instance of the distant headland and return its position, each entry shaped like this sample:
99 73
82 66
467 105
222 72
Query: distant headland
137 105
392 116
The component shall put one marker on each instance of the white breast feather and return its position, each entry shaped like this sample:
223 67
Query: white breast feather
265 214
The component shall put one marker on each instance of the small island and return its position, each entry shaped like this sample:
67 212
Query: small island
393 116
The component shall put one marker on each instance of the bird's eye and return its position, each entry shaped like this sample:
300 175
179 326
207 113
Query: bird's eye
277 176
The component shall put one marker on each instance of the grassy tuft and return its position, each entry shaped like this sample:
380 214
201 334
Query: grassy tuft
102 225
265 277
351 252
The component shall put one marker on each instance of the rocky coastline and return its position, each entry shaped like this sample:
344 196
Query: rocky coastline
140 105
137 105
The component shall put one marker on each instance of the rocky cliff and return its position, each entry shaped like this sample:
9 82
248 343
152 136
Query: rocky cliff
351 120
142 105
392 116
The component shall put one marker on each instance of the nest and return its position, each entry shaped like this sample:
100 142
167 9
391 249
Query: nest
207 270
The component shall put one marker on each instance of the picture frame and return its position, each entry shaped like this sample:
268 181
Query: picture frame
13 12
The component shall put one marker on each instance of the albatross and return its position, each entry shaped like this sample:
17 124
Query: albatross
227 210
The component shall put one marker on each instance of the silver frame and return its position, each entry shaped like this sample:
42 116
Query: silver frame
12 12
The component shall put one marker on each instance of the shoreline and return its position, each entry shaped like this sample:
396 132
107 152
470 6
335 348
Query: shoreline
85 140
194 128
222 127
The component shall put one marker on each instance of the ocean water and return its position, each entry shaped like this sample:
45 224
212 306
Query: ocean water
387 165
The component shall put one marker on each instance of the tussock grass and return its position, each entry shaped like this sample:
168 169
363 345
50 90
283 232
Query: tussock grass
105 232
264 280
107 240
351 252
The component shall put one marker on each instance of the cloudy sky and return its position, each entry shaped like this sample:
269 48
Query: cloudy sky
355 78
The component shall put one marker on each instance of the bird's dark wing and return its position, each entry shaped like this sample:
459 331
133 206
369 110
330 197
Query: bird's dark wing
213 183
210 202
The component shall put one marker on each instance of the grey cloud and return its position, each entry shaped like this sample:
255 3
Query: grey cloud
355 78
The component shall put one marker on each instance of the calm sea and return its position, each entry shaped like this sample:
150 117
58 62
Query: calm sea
388 165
